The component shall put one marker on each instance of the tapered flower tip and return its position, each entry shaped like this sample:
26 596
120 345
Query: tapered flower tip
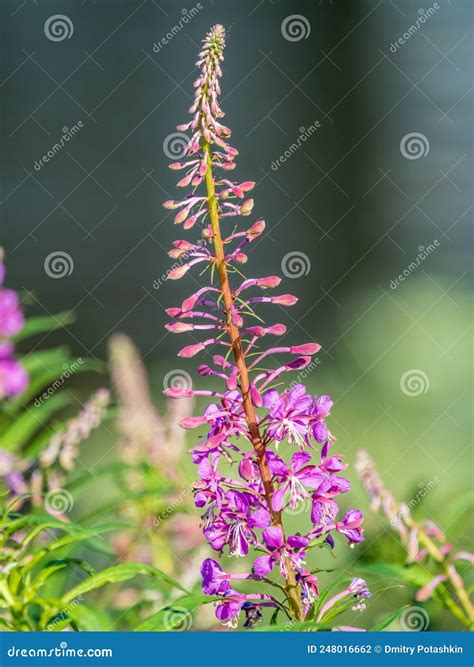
299 362
285 299
179 327
169 203
178 272
257 228
177 392
173 312
189 303
256 398
247 207
190 222
181 216
192 422
182 244
246 186
306 348
191 350
276 330
268 282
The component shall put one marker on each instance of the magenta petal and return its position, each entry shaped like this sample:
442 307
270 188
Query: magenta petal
259 519
299 459
263 565
273 537
277 500
298 541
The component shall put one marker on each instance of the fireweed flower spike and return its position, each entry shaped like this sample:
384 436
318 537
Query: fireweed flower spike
244 513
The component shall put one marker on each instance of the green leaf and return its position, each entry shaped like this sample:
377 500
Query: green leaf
52 378
176 615
56 566
84 535
41 323
387 620
89 619
30 421
303 626
119 573
412 574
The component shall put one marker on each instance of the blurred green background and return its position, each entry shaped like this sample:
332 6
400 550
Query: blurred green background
348 199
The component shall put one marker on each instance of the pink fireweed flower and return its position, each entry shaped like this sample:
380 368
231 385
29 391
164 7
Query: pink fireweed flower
244 486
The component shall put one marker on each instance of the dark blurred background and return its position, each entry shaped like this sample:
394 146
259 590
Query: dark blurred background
360 198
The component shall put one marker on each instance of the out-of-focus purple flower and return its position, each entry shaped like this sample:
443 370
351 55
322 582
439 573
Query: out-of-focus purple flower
13 377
